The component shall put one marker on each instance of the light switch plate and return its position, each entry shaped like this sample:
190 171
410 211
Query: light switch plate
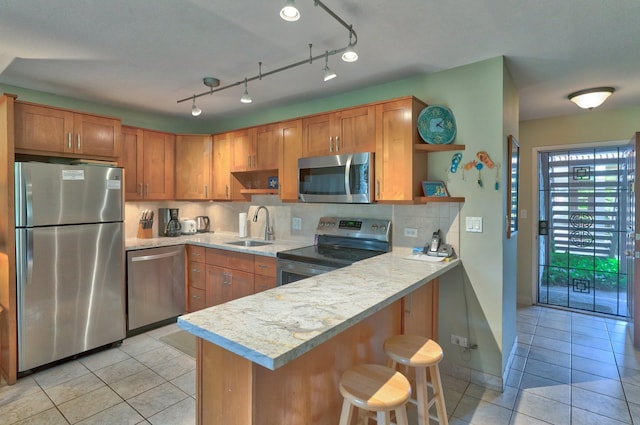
474 224
296 223
411 232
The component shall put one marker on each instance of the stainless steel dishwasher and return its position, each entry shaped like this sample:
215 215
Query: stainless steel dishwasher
155 285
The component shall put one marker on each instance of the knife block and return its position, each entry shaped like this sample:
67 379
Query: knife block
145 230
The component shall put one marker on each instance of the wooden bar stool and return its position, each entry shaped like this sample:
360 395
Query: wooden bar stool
420 353
374 388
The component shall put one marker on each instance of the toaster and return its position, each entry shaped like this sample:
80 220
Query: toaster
188 227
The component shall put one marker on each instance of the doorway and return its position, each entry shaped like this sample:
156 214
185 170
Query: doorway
585 213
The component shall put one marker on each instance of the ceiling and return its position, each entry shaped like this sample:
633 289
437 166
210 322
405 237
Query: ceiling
147 54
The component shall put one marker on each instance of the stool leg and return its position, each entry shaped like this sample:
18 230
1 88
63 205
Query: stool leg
401 416
439 395
422 398
383 418
347 412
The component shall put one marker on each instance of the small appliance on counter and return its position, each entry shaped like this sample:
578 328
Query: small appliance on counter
202 224
188 227
168 222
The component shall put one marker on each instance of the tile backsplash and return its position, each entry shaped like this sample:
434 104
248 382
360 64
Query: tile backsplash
426 218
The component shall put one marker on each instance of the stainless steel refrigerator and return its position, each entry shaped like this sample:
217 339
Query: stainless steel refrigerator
70 260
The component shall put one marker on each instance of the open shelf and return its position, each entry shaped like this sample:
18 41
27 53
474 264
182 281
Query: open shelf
429 199
259 191
438 148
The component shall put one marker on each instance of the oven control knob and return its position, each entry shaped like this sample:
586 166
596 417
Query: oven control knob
374 227
383 228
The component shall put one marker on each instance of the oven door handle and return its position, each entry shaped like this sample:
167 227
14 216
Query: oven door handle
347 175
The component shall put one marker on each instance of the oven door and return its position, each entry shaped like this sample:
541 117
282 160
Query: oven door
292 271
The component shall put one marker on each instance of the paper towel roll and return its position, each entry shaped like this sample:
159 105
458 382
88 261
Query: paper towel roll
242 225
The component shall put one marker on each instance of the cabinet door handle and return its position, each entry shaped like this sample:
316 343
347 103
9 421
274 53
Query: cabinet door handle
147 190
378 188
226 191
69 141
195 270
78 141
227 278
254 161
337 143
140 189
206 191
330 144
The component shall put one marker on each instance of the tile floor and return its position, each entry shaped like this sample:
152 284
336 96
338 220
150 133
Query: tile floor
570 368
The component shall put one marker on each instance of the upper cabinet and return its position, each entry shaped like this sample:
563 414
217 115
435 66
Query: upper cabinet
148 159
221 184
291 150
255 149
344 131
194 171
401 156
44 130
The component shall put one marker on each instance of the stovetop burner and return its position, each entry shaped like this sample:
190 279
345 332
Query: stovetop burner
343 241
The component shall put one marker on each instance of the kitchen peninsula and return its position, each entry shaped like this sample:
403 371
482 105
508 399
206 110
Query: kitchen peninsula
276 357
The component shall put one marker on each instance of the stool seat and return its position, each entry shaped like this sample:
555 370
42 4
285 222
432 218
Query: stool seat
422 354
374 388
413 350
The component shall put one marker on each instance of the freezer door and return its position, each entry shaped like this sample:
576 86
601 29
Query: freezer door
71 291
54 194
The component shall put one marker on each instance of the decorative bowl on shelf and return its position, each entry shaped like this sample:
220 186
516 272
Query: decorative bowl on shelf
437 125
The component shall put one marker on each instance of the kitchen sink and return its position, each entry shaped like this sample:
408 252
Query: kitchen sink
249 243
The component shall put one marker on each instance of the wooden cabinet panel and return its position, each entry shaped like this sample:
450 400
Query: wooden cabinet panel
46 130
193 167
222 183
229 259
265 266
290 152
267 147
158 156
148 160
262 283
224 284
421 311
242 144
346 131
396 134
197 299
97 136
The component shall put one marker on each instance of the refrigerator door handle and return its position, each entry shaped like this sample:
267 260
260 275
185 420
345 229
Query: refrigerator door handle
24 259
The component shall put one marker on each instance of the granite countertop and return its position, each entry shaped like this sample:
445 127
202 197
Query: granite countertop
216 240
273 327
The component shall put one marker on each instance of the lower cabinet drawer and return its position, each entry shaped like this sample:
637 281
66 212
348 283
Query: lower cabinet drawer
196 299
262 283
196 274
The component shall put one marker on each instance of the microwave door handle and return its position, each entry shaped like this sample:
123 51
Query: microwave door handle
347 175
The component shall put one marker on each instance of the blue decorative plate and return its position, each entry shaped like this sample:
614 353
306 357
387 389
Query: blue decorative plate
437 125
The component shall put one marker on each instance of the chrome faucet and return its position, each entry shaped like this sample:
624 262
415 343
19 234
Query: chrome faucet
268 231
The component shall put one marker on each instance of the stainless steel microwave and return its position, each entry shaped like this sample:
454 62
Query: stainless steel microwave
346 178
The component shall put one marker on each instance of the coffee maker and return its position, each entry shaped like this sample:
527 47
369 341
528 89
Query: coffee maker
168 222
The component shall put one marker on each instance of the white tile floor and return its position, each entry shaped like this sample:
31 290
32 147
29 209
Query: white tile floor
570 369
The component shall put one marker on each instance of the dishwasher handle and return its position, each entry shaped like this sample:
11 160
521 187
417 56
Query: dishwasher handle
154 256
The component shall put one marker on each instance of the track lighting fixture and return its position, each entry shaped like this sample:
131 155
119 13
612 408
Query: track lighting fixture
328 74
245 96
591 98
290 13
350 55
195 111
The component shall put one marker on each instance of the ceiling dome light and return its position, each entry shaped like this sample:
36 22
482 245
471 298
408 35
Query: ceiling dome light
328 74
245 96
290 12
591 98
195 111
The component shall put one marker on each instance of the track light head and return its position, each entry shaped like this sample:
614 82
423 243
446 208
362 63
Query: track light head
245 96
349 54
195 111
290 12
328 74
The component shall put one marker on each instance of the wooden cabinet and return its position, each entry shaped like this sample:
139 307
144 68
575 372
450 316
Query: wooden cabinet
345 131
290 152
265 273
196 281
45 130
229 275
256 148
148 160
193 167
222 182
401 156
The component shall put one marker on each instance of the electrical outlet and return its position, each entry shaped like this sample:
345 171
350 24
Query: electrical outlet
459 340
411 232
296 223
